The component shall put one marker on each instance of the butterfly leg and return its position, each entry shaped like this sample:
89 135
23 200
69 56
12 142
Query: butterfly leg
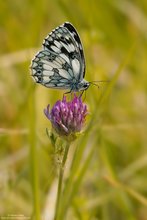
84 91
68 93
81 94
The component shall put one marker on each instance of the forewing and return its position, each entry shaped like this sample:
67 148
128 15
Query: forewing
65 42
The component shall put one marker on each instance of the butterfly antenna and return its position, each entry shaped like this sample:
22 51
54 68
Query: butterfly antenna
95 82
92 83
99 81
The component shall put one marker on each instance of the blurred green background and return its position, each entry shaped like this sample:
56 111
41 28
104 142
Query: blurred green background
111 171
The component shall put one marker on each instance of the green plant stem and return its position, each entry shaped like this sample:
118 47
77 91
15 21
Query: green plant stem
60 181
34 159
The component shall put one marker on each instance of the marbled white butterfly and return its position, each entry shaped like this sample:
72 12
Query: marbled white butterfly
61 63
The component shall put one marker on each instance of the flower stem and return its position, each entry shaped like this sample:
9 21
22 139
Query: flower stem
34 159
60 181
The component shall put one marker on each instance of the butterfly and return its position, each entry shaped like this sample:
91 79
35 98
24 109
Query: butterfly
61 63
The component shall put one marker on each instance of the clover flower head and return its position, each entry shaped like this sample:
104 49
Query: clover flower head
67 118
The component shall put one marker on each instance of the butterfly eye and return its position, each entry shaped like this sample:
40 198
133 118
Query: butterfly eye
85 86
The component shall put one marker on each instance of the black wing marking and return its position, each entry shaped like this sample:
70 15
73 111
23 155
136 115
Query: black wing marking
75 35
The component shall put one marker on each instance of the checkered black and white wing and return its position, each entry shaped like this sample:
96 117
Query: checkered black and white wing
61 62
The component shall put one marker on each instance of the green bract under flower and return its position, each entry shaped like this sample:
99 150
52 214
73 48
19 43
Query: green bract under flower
67 118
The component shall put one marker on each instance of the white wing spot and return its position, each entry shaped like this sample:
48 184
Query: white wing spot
49 84
57 44
55 49
34 64
50 38
51 64
68 47
76 66
48 73
58 65
46 62
33 71
47 67
60 60
64 74
71 47
65 57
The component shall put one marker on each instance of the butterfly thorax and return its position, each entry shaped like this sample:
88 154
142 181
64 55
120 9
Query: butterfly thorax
79 85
